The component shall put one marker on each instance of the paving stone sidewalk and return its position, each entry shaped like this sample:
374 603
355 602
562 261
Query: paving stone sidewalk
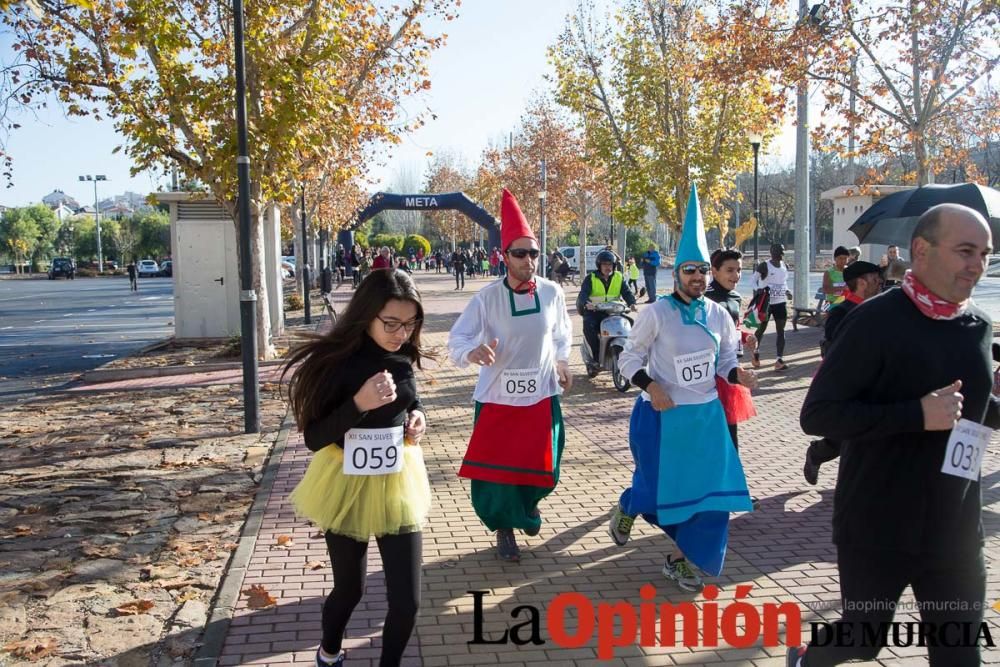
783 551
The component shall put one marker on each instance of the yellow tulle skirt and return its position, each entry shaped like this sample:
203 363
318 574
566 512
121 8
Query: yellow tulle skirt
360 506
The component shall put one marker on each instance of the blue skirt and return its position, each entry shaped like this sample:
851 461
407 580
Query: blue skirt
687 478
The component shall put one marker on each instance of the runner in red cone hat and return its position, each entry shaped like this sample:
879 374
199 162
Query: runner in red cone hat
517 331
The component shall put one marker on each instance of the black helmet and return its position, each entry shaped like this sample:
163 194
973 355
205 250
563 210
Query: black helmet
605 256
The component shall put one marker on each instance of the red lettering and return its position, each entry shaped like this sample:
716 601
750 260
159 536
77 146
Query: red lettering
606 639
555 618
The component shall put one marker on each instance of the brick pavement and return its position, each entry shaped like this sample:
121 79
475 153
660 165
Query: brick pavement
783 551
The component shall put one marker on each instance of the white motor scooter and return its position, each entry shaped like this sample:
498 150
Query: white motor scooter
615 330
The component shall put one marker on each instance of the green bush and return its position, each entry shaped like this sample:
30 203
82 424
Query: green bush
637 244
416 241
394 241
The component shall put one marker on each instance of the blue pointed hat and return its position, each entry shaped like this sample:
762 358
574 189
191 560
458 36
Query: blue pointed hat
692 246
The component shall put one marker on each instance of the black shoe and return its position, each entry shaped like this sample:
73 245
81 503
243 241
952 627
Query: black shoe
811 469
337 662
507 548
651 301
755 501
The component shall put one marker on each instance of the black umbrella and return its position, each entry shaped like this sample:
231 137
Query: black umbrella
891 220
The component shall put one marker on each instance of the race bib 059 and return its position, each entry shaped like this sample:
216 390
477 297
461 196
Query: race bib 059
373 451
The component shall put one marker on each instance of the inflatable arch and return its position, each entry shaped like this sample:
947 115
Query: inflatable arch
449 201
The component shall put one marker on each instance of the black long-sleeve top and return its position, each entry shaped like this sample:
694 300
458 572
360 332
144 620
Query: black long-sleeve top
728 299
833 321
891 493
339 410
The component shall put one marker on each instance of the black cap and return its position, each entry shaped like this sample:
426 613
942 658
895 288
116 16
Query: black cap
858 269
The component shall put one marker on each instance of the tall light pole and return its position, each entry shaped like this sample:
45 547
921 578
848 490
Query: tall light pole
755 139
801 285
305 261
97 218
542 194
248 297
810 17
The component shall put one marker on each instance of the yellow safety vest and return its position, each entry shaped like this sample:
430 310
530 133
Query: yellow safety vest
614 292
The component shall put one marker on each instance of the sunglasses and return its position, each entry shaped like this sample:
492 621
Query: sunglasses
392 326
689 270
521 253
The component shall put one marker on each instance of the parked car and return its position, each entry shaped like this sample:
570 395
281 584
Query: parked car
147 268
110 265
62 267
167 268
288 267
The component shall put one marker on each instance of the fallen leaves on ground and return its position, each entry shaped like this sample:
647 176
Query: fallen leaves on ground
258 597
134 608
314 565
32 649
285 541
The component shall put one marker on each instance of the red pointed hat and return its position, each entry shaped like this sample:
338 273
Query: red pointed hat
513 225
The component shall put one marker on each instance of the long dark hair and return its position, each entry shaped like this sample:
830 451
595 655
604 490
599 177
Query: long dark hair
321 355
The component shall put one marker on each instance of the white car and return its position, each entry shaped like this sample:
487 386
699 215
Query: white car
147 268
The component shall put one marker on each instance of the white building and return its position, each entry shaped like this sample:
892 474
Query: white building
849 202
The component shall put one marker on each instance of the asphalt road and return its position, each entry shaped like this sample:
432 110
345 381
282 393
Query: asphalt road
51 330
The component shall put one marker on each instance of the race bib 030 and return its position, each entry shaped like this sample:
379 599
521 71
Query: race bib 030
963 457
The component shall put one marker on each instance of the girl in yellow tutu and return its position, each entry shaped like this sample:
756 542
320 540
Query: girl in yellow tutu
354 397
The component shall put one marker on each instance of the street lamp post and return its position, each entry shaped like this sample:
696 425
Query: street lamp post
248 297
305 261
755 139
97 217
542 194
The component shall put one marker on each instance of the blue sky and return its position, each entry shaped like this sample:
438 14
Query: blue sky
493 63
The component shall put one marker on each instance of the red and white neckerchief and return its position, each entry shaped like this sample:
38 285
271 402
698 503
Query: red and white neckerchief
530 285
928 303
851 296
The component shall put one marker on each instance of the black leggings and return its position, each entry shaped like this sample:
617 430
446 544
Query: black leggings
780 314
401 559
872 580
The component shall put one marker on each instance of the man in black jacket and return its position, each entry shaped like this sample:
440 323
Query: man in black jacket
910 411
863 282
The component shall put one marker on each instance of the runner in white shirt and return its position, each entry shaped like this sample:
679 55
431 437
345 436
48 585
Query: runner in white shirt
688 476
518 332
773 276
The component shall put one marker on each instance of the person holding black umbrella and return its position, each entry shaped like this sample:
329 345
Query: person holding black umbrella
893 267
914 422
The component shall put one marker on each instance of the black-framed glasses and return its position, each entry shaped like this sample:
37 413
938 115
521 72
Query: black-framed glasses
690 270
521 253
392 326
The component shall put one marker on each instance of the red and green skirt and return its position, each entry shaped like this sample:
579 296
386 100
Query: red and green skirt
513 461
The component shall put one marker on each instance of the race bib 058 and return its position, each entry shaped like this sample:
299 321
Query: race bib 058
520 383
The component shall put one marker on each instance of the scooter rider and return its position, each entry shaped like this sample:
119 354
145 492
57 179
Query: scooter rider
601 286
